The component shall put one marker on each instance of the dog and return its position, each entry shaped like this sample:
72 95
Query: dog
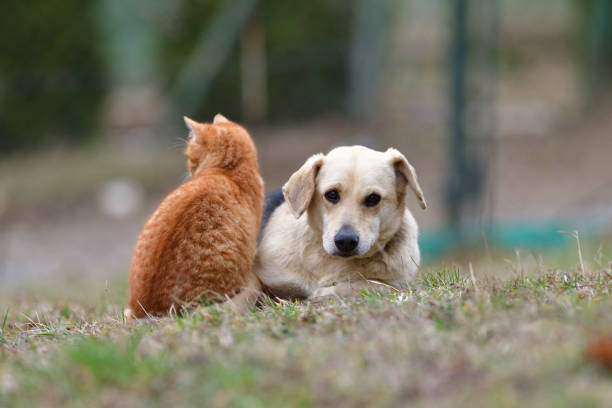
341 225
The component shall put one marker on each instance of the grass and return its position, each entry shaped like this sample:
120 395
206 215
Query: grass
449 339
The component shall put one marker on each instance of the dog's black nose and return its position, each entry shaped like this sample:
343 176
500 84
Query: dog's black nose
346 240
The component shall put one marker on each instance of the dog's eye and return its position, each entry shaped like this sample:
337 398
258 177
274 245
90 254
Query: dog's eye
372 200
332 196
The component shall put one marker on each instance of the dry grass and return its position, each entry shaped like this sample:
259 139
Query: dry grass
452 338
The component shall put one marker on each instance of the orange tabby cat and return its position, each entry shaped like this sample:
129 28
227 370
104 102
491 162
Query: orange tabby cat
200 242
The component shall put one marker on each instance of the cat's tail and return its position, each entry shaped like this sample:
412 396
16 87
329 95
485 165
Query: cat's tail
247 296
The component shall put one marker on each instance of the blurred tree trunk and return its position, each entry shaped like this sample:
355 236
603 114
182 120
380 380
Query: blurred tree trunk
472 79
595 33
209 55
253 70
366 55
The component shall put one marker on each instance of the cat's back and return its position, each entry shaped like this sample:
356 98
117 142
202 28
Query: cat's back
201 236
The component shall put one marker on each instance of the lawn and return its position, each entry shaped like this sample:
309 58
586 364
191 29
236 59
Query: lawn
452 338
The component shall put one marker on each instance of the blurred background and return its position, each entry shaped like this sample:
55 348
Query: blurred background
502 106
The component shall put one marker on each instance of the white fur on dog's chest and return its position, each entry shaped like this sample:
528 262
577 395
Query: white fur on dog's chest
291 257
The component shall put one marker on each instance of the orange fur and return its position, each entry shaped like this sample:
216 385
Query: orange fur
600 352
200 242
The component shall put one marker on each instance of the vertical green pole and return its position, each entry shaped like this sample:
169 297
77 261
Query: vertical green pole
598 45
365 58
458 101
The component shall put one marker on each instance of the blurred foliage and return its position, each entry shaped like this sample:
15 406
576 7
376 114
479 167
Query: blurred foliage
306 52
54 70
52 74
179 33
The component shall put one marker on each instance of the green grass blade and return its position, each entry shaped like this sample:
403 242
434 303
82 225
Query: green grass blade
4 319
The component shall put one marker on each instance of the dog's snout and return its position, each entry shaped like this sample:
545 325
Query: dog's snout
346 240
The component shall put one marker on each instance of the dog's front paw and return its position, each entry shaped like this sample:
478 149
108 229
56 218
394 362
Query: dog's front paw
324 291
323 295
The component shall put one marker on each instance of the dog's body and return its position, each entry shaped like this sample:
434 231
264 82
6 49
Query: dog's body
356 230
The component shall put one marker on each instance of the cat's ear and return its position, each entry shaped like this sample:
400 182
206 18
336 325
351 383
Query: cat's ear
219 118
190 123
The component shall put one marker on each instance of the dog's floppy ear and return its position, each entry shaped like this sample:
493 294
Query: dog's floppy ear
300 187
405 170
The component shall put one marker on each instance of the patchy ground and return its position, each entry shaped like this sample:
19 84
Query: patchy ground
450 339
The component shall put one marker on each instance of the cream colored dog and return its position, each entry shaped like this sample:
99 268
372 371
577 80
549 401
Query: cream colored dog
356 232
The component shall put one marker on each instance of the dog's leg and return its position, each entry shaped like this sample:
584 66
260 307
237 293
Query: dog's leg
346 289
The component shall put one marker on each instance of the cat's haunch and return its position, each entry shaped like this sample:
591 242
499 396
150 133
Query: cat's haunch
199 244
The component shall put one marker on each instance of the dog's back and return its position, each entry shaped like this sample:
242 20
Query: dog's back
273 200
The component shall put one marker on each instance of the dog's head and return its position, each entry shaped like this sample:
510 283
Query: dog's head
355 197
222 144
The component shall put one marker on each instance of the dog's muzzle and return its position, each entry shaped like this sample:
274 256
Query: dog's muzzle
346 241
